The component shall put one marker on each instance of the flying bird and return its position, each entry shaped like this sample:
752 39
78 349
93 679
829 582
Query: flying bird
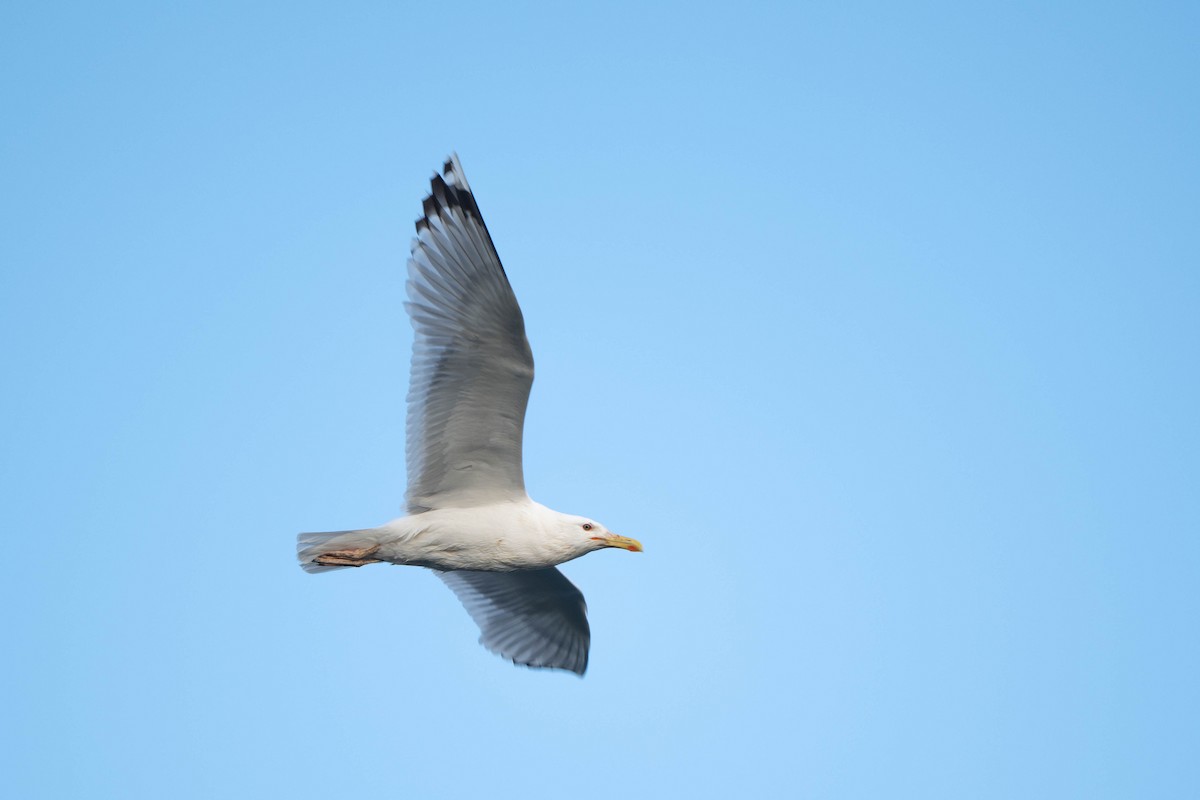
469 517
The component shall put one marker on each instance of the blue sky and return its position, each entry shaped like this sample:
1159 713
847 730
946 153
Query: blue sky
877 324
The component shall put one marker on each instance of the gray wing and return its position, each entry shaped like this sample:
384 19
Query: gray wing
532 617
471 367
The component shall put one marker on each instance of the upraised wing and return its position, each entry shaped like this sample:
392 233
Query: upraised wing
471 367
532 617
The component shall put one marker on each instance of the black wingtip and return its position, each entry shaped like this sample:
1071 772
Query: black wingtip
448 190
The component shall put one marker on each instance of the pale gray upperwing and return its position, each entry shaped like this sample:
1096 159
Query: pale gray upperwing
471 366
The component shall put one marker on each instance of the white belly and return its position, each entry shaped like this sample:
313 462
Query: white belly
490 538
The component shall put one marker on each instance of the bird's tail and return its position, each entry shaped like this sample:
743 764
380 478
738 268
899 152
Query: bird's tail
337 549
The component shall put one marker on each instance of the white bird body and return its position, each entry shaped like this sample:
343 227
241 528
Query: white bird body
470 518
499 537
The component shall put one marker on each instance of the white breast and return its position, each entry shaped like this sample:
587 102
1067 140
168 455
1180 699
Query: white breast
499 537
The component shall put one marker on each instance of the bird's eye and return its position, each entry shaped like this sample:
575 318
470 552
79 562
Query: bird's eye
587 526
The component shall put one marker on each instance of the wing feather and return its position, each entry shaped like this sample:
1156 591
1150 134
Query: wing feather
532 617
472 367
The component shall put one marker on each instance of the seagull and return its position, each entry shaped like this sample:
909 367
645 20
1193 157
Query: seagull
469 517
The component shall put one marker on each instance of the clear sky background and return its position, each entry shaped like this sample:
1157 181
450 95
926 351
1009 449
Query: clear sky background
876 323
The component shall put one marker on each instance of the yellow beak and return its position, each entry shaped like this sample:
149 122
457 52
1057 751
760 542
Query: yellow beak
623 542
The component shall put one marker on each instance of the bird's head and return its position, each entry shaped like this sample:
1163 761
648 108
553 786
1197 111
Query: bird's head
592 535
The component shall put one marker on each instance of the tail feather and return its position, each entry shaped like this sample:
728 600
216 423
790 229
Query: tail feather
311 545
